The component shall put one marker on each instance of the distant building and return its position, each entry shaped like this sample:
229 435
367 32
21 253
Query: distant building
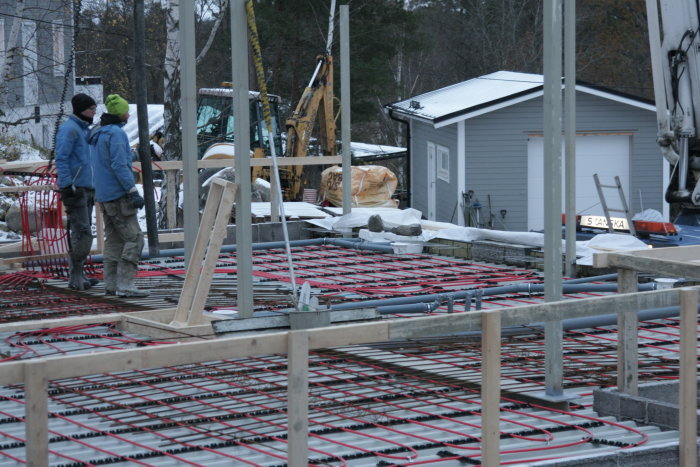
484 137
35 68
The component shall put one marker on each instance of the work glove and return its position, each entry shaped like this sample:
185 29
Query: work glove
136 200
71 193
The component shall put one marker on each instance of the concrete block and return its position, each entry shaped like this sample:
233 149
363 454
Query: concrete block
663 455
633 408
665 392
663 414
606 402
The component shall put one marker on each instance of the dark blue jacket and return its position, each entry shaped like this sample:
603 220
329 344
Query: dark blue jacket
73 160
112 161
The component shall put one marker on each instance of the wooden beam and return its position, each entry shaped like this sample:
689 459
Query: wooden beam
298 398
627 329
36 416
490 388
24 188
675 261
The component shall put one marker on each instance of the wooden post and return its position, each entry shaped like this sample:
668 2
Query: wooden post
688 390
298 398
627 346
171 211
490 387
36 416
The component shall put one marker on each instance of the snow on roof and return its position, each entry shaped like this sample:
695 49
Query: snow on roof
486 93
469 94
371 150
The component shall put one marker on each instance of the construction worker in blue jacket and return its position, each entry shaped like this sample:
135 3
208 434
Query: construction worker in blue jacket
116 190
76 186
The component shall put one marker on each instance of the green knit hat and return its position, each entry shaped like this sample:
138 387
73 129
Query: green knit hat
116 105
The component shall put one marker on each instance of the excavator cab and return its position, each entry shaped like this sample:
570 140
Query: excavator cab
215 120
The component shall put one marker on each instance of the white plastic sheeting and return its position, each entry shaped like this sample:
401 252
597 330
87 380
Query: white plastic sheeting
394 217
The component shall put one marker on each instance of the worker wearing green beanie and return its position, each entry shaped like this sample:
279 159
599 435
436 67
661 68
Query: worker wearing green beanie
116 105
115 190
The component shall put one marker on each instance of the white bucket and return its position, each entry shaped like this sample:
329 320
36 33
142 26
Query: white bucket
401 248
664 283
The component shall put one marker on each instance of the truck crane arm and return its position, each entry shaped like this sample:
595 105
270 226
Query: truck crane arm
674 41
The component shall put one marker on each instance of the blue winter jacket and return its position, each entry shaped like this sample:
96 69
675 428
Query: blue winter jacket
112 161
73 160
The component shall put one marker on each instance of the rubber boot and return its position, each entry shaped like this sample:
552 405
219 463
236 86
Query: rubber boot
75 275
109 275
125 281
88 281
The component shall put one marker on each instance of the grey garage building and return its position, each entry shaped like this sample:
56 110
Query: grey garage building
485 136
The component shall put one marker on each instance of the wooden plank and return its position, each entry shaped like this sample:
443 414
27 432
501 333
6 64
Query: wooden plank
688 391
490 388
36 413
539 313
52 323
679 263
216 238
171 210
24 188
351 334
254 162
160 356
627 329
298 398
189 287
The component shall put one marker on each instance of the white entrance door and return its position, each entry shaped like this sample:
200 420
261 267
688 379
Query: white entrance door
606 155
432 180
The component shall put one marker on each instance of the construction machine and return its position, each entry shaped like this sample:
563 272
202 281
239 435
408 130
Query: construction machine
675 58
215 122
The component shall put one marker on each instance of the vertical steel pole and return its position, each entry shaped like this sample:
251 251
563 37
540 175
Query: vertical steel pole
570 119
552 191
188 104
142 113
244 228
345 104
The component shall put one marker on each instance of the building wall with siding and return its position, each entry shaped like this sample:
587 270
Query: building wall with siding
496 153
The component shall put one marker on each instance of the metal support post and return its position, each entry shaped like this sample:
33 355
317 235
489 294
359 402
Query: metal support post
188 103
552 191
244 228
345 104
570 121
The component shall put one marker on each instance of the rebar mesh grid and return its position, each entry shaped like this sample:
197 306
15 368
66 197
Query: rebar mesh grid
336 274
406 403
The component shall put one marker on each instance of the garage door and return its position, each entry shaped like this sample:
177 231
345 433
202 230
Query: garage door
607 156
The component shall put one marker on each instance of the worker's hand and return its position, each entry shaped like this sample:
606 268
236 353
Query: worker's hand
136 199
71 193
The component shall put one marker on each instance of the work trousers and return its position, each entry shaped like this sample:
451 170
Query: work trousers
123 241
79 213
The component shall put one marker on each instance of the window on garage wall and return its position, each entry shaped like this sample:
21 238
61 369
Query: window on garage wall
59 55
443 163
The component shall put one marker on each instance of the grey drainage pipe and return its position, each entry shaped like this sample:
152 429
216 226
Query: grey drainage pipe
508 289
358 244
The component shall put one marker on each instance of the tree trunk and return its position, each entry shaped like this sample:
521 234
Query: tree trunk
14 50
171 110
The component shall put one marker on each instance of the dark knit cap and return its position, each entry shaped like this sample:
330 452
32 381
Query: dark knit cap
82 102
